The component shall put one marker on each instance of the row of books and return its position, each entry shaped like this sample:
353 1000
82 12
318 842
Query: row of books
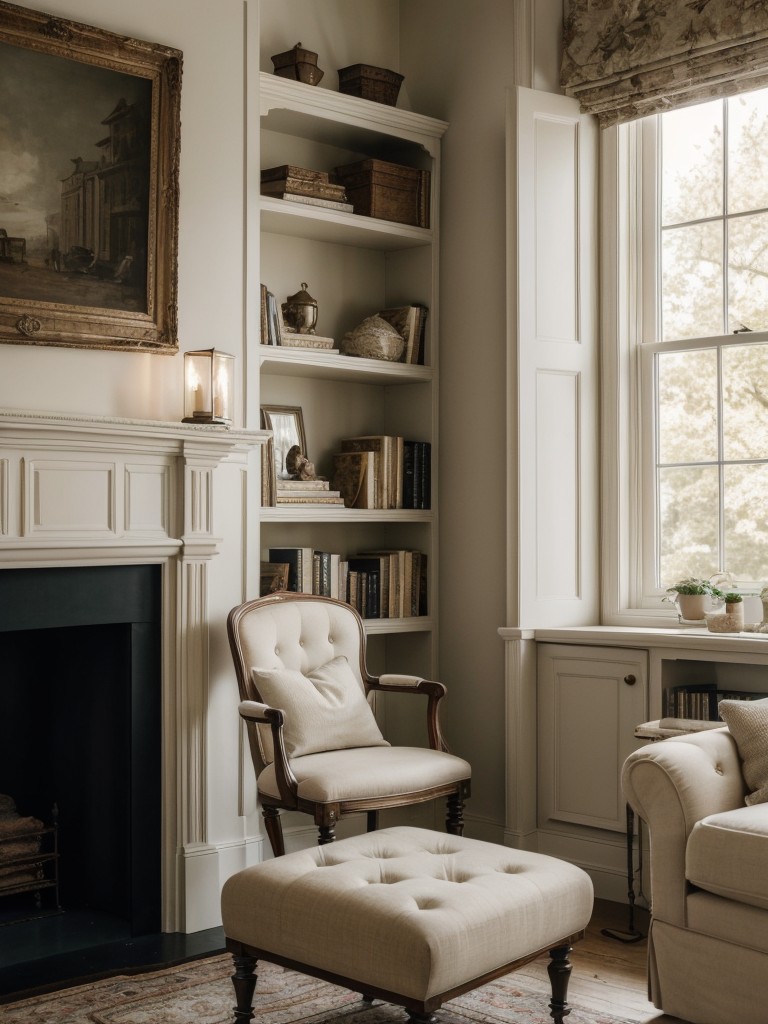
699 700
383 471
388 584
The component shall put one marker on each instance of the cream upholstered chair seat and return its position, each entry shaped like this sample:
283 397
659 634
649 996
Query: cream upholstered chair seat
384 772
315 742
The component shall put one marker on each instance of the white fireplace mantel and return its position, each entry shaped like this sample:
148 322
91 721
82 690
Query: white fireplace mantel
77 490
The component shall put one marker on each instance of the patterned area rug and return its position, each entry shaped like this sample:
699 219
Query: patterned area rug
200 992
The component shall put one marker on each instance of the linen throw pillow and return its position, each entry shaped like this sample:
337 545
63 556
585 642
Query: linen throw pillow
747 721
324 710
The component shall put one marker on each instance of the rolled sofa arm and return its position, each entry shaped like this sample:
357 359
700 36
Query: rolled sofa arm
671 785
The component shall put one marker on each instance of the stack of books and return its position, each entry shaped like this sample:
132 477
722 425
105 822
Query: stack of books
303 185
388 584
379 462
383 471
306 492
411 323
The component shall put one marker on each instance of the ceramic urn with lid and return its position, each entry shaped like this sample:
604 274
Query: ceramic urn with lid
300 311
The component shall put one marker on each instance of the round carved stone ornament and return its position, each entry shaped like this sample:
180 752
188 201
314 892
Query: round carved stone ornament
374 338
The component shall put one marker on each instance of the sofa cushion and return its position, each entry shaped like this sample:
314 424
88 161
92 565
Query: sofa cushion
747 721
326 709
727 854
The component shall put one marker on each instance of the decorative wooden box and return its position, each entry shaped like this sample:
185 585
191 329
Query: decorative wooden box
371 83
299 64
377 188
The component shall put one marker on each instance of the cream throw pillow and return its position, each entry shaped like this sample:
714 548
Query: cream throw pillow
325 710
747 721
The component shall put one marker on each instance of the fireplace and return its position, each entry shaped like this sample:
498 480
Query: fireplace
112 500
80 731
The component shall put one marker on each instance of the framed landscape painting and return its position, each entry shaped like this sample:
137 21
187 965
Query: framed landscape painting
88 186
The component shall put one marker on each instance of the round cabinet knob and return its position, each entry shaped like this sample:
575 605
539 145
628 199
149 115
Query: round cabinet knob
630 680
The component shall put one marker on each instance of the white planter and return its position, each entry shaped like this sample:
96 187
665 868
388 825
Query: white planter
692 607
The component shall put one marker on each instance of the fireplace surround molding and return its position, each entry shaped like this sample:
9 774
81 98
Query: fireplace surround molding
80 490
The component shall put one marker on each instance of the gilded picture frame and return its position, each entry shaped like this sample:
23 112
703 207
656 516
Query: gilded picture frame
89 199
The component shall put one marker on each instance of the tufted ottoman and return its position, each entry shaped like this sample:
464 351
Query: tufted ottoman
406 915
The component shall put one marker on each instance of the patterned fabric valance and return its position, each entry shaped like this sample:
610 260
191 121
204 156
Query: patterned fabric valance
629 58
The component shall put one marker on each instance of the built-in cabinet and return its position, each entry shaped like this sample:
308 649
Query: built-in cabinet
353 266
590 699
575 697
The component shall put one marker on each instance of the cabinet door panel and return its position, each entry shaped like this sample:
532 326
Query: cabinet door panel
589 706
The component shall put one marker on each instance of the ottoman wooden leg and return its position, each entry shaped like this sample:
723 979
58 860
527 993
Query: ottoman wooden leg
559 970
244 980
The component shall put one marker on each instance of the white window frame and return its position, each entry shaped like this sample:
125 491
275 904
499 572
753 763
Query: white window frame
630 283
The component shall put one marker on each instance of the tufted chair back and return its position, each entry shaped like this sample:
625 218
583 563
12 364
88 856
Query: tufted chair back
293 631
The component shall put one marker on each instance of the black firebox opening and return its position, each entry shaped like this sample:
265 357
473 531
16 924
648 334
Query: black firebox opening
80 728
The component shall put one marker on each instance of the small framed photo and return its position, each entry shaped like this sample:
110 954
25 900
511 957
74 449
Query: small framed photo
287 425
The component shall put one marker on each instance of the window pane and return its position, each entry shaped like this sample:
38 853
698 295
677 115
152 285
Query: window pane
745 401
692 163
688 523
746 521
692 281
748 152
687 406
748 272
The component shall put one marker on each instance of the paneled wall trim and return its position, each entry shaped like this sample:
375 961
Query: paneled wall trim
97 491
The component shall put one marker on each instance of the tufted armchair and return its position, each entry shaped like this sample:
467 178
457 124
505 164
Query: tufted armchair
315 743
708 939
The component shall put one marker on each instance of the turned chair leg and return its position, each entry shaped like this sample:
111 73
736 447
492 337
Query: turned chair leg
559 970
244 980
274 830
327 834
454 819
371 821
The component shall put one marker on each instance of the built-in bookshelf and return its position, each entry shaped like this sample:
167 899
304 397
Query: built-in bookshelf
692 689
354 266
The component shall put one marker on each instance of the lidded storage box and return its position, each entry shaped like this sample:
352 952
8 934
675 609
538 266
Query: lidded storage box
371 83
389 191
299 64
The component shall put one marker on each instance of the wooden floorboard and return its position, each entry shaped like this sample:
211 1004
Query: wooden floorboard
608 975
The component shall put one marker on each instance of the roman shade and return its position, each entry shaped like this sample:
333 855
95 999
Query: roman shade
638 57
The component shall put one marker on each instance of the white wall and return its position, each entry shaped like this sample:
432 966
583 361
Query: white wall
460 59
138 385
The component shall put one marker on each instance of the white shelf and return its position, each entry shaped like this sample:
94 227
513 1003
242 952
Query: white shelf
281 217
416 624
326 365
337 514
333 118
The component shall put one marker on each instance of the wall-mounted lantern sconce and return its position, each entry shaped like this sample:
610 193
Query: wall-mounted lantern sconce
209 385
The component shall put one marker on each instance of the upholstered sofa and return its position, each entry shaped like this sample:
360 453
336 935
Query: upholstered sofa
699 796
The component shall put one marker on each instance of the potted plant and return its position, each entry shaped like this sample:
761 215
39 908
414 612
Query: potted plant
693 597
734 606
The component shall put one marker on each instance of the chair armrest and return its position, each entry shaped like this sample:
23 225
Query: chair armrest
671 785
254 714
394 683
